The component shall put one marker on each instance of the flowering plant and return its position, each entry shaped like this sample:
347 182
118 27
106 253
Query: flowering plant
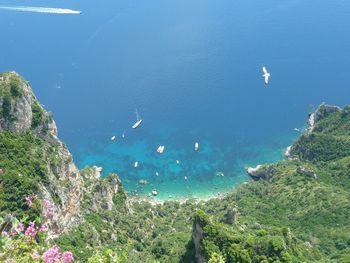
19 242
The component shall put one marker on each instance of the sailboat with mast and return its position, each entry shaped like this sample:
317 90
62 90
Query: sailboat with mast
138 121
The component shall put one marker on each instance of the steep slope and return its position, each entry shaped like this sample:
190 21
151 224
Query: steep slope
33 161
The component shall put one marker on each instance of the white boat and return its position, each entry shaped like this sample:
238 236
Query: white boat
157 173
137 124
160 149
136 164
138 121
113 138
296 129
123 135
196 146
177 161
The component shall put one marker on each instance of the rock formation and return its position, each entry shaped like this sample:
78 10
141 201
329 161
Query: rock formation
322 111
197 236
303 171
259 172
20 112
231 216
103 190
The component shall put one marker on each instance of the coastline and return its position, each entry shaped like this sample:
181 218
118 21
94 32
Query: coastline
181 200
209 194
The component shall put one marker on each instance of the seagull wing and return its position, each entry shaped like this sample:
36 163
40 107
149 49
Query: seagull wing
267 78
264 70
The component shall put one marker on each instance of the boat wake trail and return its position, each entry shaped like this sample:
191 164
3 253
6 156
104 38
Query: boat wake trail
38 9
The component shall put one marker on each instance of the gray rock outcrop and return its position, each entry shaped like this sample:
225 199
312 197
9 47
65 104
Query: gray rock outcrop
98 193
303 171
321 112
231 216
197 236
259 172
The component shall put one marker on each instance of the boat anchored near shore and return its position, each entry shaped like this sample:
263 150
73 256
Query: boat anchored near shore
138 121
196 146
160 149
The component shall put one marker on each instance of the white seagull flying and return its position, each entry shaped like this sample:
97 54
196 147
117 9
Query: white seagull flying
266 75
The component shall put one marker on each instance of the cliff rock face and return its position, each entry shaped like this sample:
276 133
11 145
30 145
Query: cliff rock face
21 112
303 171
231 216
64 192
260 172
197 236
20 108
322 111
103 190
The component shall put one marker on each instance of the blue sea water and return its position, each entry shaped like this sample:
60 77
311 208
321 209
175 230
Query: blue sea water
192 69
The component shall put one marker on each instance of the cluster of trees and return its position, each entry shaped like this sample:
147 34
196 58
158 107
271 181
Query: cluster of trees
9 93
24 166
246 245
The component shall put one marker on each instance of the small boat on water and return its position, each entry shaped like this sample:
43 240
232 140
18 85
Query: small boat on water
196 146
177 161
113 138
123 135
160 149
138 121
136 164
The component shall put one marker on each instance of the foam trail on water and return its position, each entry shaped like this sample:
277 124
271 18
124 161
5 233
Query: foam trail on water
38 9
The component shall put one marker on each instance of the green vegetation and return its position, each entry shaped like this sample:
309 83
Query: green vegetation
120 198
9 92
237 244
288 216
38 115
23 162
148 233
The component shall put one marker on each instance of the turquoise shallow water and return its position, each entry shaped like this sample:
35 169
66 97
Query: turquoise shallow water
193 70
199 174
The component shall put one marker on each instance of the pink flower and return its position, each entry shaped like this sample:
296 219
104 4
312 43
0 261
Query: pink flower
31 231
52 255
67 257
35 255
43 228
29 200
4 233
13 232
20 227
10 260
49 207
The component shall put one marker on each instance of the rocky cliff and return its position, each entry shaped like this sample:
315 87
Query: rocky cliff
320 113
62 187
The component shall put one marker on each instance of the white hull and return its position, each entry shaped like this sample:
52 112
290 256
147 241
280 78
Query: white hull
137 124
196 146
